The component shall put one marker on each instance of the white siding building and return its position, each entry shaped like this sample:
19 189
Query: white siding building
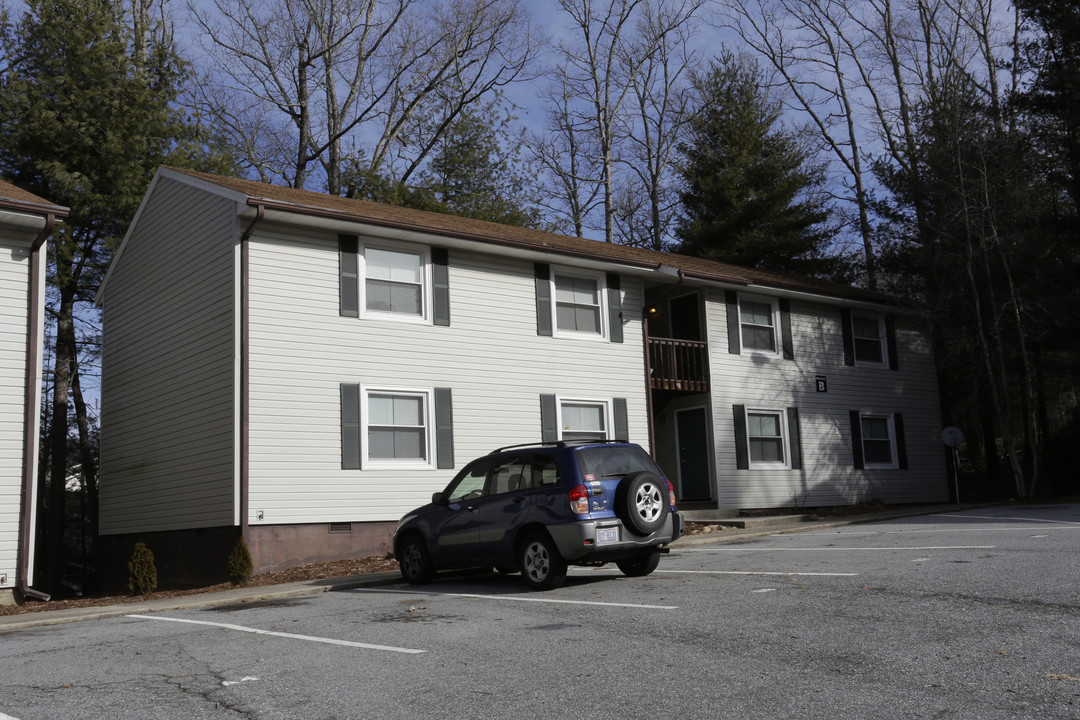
25 223
302 369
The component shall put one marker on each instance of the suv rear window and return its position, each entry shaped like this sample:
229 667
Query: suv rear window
614 460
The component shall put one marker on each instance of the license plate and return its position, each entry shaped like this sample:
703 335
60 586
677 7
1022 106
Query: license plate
607 535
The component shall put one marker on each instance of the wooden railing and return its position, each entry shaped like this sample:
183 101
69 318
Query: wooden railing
679 365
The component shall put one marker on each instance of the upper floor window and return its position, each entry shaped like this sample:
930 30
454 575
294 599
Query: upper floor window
757 320
579 303
868 338
395 282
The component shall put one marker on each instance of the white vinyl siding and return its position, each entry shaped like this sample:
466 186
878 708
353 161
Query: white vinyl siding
168 371
827 476
14 313
490 356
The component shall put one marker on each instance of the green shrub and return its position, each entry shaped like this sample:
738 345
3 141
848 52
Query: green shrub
240 566
142 573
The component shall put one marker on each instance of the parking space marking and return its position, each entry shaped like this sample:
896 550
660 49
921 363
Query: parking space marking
6 717
518 598
1015 519
292 636
844 549
756 572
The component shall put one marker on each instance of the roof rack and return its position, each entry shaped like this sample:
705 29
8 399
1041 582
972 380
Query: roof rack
559 444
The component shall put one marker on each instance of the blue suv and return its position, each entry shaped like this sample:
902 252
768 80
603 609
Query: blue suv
537 508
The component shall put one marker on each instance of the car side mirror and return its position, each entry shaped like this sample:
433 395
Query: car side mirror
436 498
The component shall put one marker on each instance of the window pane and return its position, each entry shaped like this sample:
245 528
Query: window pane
767 425
583 418
867 350
766 450
386 296
575 290
396 427
875 428
472 483
878 452
757 338
865 327
756 313
390 265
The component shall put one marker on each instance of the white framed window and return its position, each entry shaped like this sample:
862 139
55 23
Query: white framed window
397 425
766 437
868 338
580 304
758 323
878 441
584 419
395 282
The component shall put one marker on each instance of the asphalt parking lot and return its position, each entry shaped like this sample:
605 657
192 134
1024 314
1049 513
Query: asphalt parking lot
971 614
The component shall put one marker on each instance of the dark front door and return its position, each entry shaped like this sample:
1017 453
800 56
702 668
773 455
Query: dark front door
692 435
685 318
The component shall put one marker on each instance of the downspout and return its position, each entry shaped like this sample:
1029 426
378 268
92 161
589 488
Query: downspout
245 363
31 419
648 363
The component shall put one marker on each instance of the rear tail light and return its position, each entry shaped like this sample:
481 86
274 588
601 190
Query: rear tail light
670 493
579 500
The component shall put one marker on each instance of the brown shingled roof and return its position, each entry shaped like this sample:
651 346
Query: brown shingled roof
15 197
314 203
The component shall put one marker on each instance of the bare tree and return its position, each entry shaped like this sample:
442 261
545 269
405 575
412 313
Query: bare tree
293 80
661 109
609 48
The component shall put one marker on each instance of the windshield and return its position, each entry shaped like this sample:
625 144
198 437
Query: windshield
614 461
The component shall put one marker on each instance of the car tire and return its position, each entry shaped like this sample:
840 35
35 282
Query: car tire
641 502
541 565
639 565
414 561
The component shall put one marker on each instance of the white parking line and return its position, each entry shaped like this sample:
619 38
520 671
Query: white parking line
757 572
517 598
293 636
843 549
6 717
1015 519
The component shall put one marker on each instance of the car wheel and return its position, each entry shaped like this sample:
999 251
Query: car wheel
414 561
542 568
639 565
641 502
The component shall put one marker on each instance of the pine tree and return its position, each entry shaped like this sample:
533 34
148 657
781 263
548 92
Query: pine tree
750 191
88 111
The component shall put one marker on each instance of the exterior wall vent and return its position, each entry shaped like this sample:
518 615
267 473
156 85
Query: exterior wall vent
341 527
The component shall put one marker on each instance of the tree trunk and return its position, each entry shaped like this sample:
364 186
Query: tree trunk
53 557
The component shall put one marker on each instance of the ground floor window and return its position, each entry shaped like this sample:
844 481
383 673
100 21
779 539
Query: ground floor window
584 419
765 433
878 445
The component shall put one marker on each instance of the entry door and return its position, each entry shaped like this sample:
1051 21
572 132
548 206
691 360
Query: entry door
692 434
685 317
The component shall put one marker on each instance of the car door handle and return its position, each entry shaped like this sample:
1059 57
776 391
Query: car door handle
472 508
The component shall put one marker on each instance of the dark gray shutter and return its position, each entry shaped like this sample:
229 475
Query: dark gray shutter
444 429
785 329
348 276
622 428
542 273
901 444
549 428
856 439
440 286
849 338
794 438
614 304
350 427
742 451
734 341
890 338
